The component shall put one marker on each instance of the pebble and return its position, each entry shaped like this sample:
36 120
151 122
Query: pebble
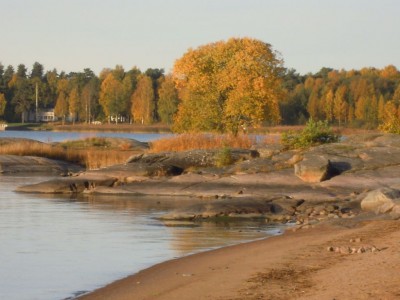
352 250
356 240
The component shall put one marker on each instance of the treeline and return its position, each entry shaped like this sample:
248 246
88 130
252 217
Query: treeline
355 98
115 95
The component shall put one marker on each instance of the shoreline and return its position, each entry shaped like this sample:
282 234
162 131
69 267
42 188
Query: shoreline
293 265
278 230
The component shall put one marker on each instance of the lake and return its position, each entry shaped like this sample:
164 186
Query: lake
56 247
60 136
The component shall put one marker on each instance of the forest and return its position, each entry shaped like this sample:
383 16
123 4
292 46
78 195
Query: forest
228 85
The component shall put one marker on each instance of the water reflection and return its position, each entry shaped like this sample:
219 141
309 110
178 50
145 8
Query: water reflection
186 236
53 246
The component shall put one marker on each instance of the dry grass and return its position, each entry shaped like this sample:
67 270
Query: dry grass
95 159
201 141
91 158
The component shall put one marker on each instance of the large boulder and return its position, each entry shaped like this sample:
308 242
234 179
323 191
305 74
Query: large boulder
382 200
313 169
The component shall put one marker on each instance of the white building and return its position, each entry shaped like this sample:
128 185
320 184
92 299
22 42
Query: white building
43 115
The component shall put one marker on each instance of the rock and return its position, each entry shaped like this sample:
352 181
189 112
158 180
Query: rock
178 216
67 185
11 164
331 208
395 212
356 240
312 169
360 250
192 158
353 250
285 205
381 200
269 150
142 169
243 208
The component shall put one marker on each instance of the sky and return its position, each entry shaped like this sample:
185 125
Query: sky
71 35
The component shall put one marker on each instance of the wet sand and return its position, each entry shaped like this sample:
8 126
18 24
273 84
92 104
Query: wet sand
295 265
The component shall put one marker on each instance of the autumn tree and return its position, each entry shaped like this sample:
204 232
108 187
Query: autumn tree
111 97
3 104
168 100
313 105
225 85
340 106
328 106
396 95
143 101
391 123
381 108
89 96
73 102
61 108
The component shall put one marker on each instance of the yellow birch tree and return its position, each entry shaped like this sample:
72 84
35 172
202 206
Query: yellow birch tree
143 105
227 85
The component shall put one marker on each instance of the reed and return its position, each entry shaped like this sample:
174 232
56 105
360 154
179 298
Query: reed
91 158
185 142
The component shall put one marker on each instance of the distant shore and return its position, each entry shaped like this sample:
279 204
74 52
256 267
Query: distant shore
160 128
156 128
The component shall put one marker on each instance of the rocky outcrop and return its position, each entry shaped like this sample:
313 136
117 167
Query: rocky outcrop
191 159
343 171
11 164
383 200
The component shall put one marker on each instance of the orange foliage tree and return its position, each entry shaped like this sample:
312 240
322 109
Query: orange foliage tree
142 99
227 85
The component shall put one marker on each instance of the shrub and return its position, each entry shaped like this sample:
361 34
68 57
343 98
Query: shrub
224 157
315 133
391 125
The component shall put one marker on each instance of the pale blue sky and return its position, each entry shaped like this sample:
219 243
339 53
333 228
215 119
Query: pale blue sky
71 35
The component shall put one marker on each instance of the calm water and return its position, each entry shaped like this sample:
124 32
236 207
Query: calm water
53 136
53 247
56 247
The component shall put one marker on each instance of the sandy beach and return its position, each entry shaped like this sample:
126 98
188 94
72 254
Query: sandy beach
295 265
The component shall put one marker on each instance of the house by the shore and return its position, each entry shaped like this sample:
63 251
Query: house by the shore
43 115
